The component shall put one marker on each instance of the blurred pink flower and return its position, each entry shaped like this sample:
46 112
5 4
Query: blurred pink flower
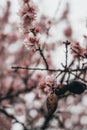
19 109
27 15
5 123
78 51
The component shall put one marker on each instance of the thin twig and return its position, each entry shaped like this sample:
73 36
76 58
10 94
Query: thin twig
13 118
66 53
42 55
54 70
10 96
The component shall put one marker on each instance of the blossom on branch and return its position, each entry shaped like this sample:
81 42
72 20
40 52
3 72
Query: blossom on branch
31 43
47 84
29 26
27 14
78 51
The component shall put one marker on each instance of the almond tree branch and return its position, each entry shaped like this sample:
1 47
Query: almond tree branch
54 70
42 55
10 96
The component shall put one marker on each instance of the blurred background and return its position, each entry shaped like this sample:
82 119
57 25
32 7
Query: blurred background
59 20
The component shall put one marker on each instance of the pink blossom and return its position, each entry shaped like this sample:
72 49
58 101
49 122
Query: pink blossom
47 89
29 26
26 1
50 80
5 123
31 43
47 83
27 15
19 109
68 31
78 51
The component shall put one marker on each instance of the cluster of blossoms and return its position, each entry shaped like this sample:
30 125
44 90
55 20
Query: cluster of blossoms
78 51
47 84
29 26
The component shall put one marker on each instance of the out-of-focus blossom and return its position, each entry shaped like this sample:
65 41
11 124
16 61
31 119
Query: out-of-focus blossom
68 32
5 123
27 15
19 109
65 13
45 24
26 1
78 51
